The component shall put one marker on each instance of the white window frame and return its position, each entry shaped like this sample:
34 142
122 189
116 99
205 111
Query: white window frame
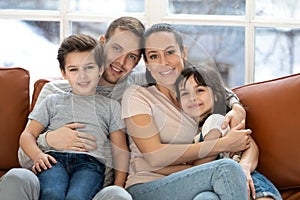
155 12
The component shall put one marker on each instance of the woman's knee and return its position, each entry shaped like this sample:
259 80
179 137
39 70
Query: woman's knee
113 192
207 195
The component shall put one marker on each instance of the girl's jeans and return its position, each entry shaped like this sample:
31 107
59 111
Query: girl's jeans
220 179
75 176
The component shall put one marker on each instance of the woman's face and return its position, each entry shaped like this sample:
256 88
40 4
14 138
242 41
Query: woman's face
197 101
164 59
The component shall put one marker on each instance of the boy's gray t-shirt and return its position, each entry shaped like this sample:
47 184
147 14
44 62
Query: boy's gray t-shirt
101 116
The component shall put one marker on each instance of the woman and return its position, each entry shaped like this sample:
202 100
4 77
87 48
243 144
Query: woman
162 136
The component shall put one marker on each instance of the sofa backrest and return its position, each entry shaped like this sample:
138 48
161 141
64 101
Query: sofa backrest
14 109
273 114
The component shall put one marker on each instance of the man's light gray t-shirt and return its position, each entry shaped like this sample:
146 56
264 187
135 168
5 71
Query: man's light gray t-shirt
62 86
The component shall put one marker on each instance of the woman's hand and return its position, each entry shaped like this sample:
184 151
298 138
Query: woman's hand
42 162
235 116
68 138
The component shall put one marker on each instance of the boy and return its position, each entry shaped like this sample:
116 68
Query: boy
69 174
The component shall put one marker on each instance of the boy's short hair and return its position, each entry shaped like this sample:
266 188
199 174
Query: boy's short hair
79 43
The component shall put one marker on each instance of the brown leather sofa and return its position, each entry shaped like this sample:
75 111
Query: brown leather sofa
273 114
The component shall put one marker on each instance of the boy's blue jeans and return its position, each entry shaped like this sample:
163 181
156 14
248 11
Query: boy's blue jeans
75 176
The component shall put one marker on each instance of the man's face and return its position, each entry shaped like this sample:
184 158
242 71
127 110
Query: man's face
121 54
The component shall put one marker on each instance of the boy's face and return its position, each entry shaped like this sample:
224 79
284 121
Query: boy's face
121 54
82 72
196 101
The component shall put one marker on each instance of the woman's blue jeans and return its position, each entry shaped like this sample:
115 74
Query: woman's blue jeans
75 176
220 179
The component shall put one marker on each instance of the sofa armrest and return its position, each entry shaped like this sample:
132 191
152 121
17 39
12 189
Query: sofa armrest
14 109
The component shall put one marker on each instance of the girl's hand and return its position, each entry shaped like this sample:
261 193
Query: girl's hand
42 162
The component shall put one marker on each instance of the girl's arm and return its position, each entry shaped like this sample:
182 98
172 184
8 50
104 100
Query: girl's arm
145 134
120 156
29 146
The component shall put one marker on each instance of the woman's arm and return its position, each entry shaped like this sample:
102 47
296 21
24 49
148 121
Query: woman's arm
145 135
120 153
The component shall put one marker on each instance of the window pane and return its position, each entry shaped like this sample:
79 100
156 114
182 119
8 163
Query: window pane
94 29
30 4
107 6
204 7
32 45
278 8
276 52
224 46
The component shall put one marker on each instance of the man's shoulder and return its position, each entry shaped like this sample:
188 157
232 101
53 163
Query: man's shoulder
137 78
58 85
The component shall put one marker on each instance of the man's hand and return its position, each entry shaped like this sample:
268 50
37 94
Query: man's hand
235 116
68 138
250 184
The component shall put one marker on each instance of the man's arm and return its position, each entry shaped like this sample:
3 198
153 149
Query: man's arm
236 111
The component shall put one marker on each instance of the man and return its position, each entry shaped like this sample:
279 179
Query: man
122 53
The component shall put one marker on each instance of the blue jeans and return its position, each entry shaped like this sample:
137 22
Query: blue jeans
75 176
219 179
264 187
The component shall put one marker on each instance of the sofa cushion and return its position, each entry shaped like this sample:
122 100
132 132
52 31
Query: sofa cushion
14 109
273 113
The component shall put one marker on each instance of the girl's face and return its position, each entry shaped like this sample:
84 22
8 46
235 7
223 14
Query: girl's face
82 72
197 101
164 59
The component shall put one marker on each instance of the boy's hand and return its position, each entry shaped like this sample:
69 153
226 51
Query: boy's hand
42 162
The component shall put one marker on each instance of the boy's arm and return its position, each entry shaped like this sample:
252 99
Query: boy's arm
29 146
52 87
120 156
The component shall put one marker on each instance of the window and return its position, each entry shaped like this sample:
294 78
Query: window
248 40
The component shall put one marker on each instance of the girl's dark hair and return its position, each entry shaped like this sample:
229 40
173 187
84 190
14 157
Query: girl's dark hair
155 28
79 43
208 77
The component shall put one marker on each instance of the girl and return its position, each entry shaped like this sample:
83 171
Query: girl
202 96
